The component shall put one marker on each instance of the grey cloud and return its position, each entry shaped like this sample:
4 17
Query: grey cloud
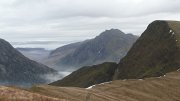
22 20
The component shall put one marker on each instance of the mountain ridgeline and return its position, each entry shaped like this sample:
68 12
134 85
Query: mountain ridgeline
109 46
16 69
154 54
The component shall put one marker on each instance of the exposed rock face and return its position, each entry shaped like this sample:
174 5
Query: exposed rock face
16 69
109 46
88 76
155 53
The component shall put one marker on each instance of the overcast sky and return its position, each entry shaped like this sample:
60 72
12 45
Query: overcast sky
24 22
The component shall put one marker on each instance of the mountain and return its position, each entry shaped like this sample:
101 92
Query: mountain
155 53
16 69
88 76
109 46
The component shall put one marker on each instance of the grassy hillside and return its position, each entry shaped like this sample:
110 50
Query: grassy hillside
88 76
155 53
16 94
165 88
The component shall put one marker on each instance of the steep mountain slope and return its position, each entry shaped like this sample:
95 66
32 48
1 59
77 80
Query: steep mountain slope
88 76
165 88
19 70
155 53
58 54
109 46
65 49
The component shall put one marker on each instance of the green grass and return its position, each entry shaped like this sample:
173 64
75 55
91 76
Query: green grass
88 76
155 53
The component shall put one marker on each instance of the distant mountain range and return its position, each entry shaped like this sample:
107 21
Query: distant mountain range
154 54
109 46
36 54
16 69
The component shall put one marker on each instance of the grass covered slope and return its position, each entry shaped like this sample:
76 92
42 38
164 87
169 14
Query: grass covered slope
16 94
155 53
164 88
88 76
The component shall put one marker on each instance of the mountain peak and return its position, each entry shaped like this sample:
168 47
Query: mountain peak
112 32
104 48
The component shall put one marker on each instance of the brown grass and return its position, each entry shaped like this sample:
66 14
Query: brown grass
166 88
14 94
151 89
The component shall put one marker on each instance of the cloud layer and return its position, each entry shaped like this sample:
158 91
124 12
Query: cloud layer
55 20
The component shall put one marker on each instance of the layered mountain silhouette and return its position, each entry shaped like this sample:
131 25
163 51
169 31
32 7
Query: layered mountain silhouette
16 69
109 46
154 54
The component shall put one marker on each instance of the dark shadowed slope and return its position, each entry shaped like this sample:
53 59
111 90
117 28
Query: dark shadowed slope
17 69
88 76
155 53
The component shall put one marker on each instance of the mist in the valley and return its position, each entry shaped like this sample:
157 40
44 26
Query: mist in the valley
54 77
